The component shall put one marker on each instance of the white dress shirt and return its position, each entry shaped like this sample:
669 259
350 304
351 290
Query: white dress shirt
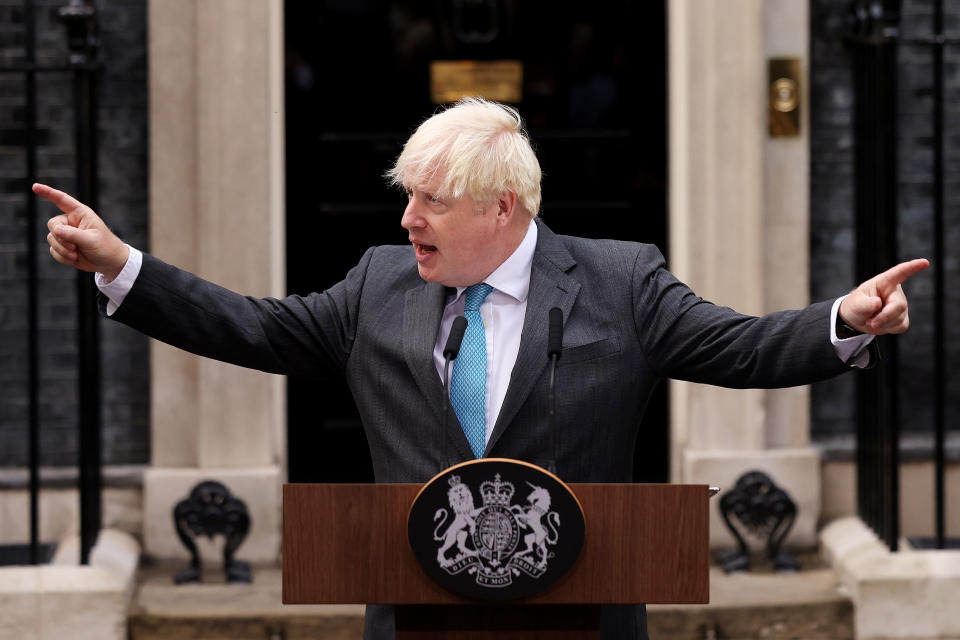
502 311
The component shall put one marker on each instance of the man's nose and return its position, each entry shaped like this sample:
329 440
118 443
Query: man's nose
411 218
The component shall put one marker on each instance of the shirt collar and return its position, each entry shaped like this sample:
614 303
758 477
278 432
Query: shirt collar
512 277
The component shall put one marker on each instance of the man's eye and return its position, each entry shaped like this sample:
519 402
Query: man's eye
432 199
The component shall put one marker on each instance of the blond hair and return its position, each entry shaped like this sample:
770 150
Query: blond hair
476 148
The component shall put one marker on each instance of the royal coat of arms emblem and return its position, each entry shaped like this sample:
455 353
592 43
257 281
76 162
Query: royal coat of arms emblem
505 546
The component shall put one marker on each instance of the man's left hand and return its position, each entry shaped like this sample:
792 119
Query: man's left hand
879 305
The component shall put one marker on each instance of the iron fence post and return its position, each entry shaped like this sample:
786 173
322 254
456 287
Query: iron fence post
80 19
874 25
939 266
33 342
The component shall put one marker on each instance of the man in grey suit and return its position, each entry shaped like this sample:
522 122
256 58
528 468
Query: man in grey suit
473 186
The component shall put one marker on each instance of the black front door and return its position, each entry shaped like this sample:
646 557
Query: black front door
593 94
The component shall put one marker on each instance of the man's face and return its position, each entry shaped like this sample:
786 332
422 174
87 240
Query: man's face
456 245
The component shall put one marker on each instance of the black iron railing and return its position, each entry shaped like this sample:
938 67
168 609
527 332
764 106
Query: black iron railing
939 364
874 39
80 20
874 57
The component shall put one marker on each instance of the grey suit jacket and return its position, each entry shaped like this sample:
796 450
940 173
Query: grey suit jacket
628 323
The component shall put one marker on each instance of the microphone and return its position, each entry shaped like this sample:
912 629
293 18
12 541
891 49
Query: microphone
554 347
555 333
452 347
450 351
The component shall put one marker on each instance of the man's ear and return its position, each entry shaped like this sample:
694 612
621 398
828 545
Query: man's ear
506 205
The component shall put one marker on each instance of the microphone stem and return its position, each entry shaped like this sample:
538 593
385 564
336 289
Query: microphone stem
553 426
553 371
446 392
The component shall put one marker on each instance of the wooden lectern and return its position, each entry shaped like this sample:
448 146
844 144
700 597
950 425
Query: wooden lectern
347 544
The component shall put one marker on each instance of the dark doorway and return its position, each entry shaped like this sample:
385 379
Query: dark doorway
358 83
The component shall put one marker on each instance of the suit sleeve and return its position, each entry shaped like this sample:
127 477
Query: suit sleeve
689 338
305 336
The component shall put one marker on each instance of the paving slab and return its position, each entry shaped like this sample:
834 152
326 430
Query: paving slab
806 604
216 610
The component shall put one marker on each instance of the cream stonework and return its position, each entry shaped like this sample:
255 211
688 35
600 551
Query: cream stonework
917 494
907 594
217 209
122 509
65 600
738 220
259 488
790 469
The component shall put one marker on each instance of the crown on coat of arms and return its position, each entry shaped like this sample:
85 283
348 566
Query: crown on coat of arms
497 492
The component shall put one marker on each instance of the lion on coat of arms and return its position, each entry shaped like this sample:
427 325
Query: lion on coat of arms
464 522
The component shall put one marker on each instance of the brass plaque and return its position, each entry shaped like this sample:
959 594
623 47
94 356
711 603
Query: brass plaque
783 77
500 80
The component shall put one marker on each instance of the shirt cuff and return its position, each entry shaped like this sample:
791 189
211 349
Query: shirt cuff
853 351
118 288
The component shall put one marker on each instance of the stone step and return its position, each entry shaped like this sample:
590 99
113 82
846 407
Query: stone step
806 605
321 627
803 605
215 610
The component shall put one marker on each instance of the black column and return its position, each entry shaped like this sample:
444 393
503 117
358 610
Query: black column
874 42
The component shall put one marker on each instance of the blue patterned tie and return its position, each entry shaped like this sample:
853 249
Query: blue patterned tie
468 384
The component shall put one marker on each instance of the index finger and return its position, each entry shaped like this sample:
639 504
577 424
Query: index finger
64 201
898 274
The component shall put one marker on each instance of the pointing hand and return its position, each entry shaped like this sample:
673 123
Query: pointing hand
79 238
879 305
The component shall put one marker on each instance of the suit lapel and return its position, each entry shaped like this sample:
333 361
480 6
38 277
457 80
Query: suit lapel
422 312
550 286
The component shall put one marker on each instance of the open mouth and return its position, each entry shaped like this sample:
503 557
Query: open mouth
424 249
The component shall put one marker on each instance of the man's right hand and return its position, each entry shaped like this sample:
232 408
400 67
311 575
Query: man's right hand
79 238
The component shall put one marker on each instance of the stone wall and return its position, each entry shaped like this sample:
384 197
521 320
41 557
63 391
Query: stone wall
123 203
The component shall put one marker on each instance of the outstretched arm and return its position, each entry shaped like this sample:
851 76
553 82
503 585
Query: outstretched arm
296 335
689 338
79 238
